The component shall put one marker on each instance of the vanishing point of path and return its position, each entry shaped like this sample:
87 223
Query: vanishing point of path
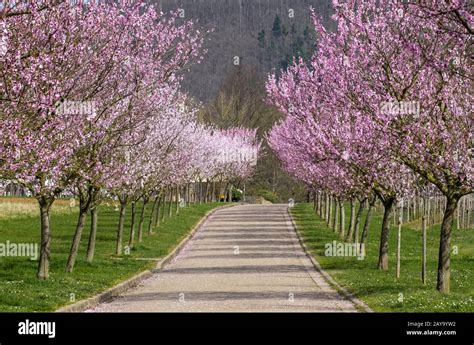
243 259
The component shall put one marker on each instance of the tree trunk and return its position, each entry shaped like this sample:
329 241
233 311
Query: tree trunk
200 192
85 201
170 205
399 241
342 216
444 258
185 195
334 223
464 211
457 217
45 250
188 194
384 237
123 205
131 242
153 215
163 209
468 212
350 233
177 200
92 236
423 250
142 218
408 211
413 214
322 211
206 193
357 220
365 231
77 238
326 207
329 221
320 205
161 202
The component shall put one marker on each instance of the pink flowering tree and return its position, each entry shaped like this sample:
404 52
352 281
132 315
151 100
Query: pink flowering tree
412 77
48 60
387 96
322 128
74 77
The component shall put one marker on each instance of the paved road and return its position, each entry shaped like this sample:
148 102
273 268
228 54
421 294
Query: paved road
244 258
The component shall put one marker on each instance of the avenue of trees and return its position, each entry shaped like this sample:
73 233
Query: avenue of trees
383 110
91 104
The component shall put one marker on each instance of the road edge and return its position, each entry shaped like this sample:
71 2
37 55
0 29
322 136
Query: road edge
132 282
360 305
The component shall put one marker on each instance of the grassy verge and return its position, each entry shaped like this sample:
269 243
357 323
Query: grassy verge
381 290
20 290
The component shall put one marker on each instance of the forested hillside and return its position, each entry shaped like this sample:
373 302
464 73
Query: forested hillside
265 34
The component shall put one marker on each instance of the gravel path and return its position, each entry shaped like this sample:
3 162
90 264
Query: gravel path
244 259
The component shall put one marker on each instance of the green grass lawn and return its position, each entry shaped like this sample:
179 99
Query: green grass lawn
20 291
381 290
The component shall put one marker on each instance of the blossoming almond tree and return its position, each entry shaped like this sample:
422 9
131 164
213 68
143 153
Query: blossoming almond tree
323 128
403 56
76 51
393 54
50 58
